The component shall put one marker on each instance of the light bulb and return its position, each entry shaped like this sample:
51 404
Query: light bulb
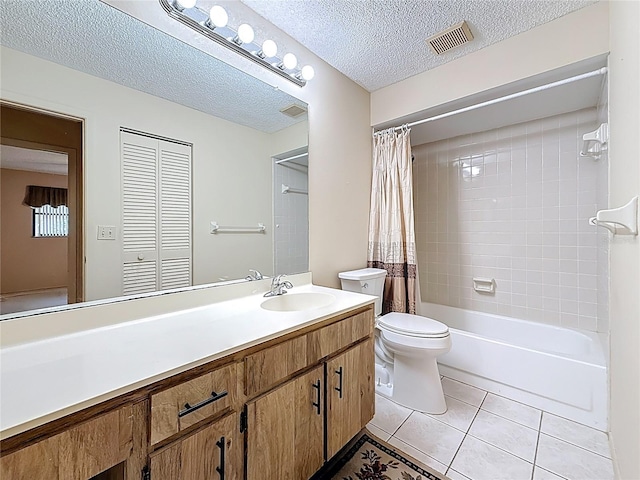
218 16
290 61
308 72
269 48
182 4
245 33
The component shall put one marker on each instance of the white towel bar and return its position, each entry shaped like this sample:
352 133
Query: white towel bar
215 228
288 189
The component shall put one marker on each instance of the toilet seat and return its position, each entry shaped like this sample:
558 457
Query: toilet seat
412 325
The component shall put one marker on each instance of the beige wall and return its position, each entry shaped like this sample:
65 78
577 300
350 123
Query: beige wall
339 140
569 39
624 157
287 139
233 173
28 263
340 151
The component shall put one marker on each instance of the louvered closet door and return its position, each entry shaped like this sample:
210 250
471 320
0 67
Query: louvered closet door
156 214
175 215
139 157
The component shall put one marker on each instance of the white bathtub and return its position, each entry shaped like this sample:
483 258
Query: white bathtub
556 369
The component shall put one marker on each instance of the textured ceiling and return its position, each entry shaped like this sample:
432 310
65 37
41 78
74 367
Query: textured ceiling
16 158
377 43
97 39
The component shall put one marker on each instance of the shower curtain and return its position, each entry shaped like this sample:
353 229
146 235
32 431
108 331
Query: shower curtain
392 244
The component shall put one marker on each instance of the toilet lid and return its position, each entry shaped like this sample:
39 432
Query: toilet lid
412 325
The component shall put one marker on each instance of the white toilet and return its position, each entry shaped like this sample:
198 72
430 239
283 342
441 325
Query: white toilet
406 348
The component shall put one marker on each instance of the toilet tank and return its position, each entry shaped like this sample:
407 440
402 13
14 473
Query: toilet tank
369 281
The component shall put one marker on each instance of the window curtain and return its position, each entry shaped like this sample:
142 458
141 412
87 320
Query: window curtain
392 244
37 196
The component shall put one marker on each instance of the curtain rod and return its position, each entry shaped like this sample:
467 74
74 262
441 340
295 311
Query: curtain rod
600 71
282 160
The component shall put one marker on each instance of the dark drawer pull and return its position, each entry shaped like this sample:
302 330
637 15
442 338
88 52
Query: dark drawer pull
317 402
188 408
220 469
339 388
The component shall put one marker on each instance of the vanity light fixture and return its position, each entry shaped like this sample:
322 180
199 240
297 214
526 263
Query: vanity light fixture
213 24
269 49
217 17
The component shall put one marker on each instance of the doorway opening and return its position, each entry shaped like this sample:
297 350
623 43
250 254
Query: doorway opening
41 210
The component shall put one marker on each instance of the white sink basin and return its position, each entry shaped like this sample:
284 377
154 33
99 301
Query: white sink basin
295 302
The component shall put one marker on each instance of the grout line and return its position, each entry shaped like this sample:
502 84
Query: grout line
428 415
553 473
500 448
486 394
511 420
457 450
403 422
472 420
466 433
575 445
535 453
421 451
540 423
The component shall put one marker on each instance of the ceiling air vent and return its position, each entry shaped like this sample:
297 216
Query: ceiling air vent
450 38
294 111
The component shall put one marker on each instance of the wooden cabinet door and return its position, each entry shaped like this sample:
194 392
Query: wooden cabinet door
214 452
84 450
350 395
285 430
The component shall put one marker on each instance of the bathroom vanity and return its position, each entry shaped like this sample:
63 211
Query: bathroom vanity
247 393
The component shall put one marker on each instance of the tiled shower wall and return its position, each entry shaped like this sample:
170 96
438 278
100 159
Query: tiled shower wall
291 219
513 204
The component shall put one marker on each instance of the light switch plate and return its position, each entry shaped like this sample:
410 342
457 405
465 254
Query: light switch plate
106 232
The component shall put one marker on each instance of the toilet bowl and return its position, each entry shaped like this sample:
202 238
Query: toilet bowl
406 348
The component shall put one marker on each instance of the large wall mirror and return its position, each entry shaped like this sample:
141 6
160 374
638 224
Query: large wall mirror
179 169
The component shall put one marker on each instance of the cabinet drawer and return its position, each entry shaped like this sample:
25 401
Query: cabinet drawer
179 407
267 367
327 340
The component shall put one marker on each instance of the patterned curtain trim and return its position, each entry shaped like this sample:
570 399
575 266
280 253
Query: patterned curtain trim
400 287
37 196
392 252
400 270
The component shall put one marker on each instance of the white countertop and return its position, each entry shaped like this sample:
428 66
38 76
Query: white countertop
51 377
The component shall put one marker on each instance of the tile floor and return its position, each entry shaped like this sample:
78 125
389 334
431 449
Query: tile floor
483 436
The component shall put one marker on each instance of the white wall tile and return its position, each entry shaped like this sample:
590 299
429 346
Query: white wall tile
291 225
521 217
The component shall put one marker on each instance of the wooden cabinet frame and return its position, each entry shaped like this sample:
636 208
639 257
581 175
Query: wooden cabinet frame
265 374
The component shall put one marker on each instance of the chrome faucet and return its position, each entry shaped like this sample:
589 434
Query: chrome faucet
278 286
254 275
